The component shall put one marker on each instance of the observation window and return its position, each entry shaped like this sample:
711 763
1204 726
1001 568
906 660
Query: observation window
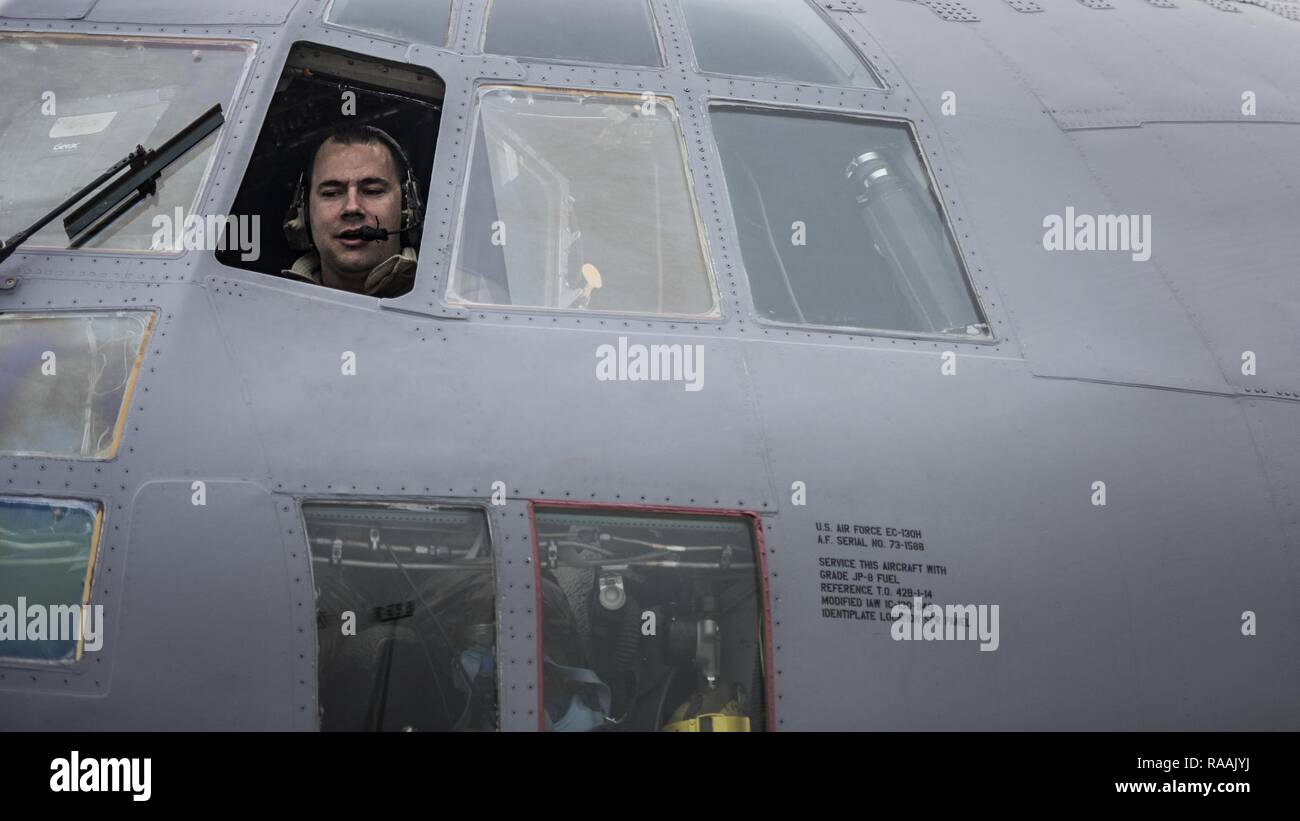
650 622
47 556
66 381
406 616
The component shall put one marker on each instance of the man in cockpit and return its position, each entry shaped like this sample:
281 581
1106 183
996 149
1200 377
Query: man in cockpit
357 213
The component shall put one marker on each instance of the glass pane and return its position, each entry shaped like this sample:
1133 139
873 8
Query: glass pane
406 617
420 21
773 39
47 553
580 200
596 31
839 224
66 379
71 106
650 622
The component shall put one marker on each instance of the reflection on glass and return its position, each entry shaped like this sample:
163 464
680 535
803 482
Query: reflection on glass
595 31
406 616
839 224
580 200
420 21
47 553
72 105
650 622
66 379
773 39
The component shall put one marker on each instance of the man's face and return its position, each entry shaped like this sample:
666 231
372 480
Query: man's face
352 185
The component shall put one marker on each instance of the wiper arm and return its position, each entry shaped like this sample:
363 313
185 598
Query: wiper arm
145 167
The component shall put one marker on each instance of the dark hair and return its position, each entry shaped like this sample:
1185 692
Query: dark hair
353 133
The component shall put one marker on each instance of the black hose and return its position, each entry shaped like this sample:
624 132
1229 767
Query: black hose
663 698
758 694
624 655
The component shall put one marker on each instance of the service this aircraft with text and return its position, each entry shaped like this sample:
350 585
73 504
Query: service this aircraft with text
767 365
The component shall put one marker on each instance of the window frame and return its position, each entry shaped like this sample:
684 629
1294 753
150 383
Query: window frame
80 659
718 313
881 87
481 44
433 503
989 337
752 518
205 181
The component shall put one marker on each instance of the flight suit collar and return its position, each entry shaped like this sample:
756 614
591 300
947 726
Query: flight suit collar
391 277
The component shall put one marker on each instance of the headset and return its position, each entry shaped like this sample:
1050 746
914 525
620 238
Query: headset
297 222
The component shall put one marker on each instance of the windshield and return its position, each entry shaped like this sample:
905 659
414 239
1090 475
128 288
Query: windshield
71 106
580 200
783 40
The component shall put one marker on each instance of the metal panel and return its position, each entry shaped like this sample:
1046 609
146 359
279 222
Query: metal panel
951 10
1122 69
1014 526
46 9
213 595
166 12
1288 10
415 418
841 5
1224 234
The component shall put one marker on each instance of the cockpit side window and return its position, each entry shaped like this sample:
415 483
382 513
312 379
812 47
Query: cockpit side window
421 21
650 622
580 200
839 224
72 105
594 31
405 615
782 40
310 226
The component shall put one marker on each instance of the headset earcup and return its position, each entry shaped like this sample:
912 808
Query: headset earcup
297 225
412 210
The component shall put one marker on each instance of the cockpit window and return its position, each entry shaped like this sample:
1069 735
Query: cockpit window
839 224
650 622
71 106
773 39
420 21
47 555
580 200
66 380
594 31
405 616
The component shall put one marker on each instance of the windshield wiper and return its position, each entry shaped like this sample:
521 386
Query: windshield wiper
140 181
